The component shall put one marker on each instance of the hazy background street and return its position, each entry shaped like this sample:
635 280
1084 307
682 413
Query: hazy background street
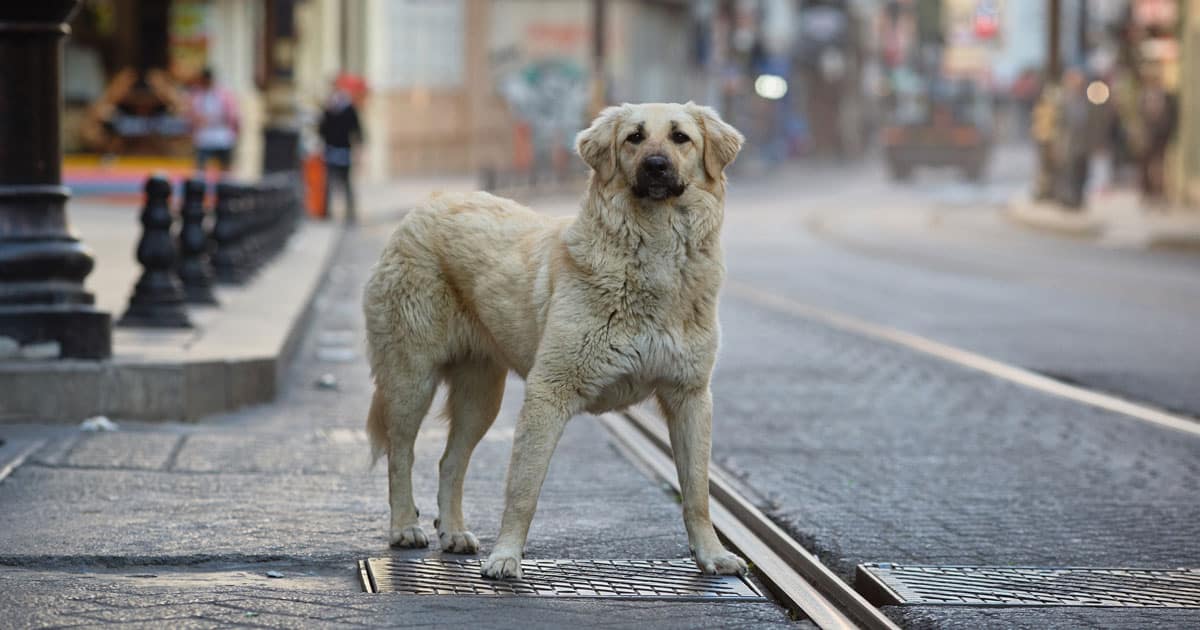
938 258
959 323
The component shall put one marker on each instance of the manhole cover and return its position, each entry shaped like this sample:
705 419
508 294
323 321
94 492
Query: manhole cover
888 584
624 579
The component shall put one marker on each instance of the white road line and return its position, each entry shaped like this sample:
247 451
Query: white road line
965 358
24 450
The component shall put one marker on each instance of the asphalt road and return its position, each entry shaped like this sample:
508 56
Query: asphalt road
935 258
867 451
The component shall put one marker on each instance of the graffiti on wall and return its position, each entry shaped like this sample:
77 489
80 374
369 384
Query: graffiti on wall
550 96
542 76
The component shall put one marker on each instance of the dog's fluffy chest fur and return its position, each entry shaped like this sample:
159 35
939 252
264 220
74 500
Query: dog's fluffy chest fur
651 281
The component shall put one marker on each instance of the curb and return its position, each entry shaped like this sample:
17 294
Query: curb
221 375
1176 229
1043 216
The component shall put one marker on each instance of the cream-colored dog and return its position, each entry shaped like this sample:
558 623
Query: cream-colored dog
595 312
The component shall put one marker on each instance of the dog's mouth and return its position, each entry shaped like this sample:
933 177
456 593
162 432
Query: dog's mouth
657 189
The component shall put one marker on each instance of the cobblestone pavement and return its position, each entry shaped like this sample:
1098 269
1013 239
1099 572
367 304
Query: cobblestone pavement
869 452
177 525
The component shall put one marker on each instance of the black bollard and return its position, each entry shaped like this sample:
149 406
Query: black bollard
252 242
157 300
226 234
195 268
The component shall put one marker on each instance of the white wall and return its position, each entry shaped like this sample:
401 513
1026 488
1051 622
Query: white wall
233 31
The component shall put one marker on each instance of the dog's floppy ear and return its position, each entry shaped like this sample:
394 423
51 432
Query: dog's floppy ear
721 141
597 144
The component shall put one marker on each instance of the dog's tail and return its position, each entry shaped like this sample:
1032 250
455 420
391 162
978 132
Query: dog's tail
377 432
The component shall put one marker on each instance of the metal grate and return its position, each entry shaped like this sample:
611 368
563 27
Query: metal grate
623 579
890 584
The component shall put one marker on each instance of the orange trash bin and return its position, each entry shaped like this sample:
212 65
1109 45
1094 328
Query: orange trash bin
314 186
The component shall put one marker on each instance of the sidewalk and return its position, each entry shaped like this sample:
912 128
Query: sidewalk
1112 218
234 354
174 524
231 357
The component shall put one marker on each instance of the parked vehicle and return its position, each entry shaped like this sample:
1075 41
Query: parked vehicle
942 122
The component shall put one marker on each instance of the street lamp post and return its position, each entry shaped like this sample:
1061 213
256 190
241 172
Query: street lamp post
281 134
42 265
1045 123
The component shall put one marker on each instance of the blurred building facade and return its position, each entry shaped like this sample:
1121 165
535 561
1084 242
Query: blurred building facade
467 85
455 85
128 62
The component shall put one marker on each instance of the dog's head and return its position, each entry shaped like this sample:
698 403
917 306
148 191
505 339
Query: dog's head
657 150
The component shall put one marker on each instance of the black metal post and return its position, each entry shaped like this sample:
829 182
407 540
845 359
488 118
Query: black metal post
157 300
42 264
228 232
281 134
1053 41
195 268
1047 175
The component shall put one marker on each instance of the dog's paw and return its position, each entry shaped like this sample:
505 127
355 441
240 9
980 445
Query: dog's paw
458 542
411 537
721 563
501 566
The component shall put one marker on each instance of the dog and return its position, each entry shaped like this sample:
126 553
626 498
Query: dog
595 312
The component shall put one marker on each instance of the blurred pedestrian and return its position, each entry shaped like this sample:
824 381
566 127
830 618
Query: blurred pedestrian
1025 91
341 132
1158 110
215 122
1125 134
1044 130
1075 138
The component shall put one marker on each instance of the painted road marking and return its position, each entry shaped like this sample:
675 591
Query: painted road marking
964 358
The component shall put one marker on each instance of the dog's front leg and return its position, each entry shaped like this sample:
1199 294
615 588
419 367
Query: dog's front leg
689 421
539 427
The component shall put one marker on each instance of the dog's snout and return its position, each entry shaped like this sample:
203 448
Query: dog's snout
656 165
657 179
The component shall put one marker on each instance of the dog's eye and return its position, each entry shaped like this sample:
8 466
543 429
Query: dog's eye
636 137
679 137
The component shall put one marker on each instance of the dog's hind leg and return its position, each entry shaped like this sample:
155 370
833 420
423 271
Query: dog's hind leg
476 389
406 400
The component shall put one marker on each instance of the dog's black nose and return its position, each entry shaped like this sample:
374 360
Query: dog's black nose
656 165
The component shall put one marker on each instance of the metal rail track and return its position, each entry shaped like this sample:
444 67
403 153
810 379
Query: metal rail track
796 577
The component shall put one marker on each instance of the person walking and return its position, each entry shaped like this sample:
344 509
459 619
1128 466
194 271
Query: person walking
215 122
1158 110
1075 138
341 132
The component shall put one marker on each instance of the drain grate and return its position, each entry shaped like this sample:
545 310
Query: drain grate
890 584
624 579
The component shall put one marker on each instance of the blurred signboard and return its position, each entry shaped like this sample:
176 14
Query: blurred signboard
987 19
187 38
